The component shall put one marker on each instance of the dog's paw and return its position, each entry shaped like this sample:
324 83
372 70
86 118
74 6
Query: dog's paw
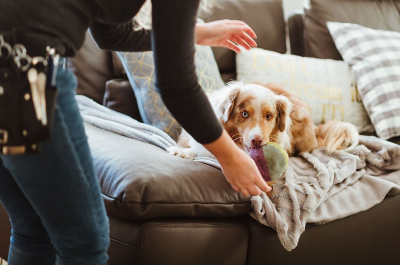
186 153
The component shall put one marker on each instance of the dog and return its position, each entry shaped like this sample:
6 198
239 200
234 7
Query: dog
254 115
334 134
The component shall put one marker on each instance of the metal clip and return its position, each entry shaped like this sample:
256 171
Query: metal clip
33 81
14 150
3 136
21 58
41 84
39 60
6 46
55 68
54 58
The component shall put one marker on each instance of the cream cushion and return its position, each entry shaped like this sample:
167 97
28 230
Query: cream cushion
327 86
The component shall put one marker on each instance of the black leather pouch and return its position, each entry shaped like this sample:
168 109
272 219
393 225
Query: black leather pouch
20 130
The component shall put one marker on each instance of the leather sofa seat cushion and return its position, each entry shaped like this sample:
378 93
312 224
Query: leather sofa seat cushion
141 181
211 241
373 14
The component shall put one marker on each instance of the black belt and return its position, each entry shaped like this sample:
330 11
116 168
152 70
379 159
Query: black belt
35 43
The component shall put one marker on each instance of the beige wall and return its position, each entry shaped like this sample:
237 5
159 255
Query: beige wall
290 5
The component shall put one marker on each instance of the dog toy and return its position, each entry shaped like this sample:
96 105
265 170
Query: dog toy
271 160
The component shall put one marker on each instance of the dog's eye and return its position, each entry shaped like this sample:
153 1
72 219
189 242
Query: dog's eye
245 114
269 116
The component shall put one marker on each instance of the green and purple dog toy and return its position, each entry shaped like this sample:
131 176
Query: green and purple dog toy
271 160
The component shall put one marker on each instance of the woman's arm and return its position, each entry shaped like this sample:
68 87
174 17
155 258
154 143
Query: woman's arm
222 33
173 42
121 37
173 39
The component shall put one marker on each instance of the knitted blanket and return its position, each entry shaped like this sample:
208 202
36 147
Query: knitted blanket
320 187
317 187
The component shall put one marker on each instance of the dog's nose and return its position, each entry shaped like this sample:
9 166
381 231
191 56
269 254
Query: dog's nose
256 140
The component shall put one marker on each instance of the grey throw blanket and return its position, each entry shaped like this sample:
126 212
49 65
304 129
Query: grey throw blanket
113 121
317 187
320 187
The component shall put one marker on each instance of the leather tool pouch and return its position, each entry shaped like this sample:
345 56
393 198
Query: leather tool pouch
20 130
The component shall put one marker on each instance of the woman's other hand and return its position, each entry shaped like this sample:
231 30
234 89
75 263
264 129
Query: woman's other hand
226 33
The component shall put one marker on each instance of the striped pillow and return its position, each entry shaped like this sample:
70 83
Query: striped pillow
374 57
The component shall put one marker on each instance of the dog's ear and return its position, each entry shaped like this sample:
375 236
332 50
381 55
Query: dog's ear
223 102
284 108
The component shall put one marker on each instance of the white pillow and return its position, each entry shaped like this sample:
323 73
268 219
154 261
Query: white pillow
325 85
374 57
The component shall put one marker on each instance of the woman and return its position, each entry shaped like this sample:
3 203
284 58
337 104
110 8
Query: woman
53 198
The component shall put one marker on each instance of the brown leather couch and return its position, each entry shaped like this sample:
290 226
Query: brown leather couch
222 233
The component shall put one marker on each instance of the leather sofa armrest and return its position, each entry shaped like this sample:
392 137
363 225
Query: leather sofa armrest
120 97
296 26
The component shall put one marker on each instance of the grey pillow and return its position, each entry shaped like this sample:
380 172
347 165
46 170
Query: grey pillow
139 67
141 181
374 57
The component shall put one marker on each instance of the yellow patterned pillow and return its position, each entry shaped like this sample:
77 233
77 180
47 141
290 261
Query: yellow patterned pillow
327 86
139 67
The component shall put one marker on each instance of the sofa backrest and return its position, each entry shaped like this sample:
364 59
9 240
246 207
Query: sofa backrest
308 32
94 67
265 17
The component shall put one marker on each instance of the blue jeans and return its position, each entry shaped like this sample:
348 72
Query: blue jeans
53 198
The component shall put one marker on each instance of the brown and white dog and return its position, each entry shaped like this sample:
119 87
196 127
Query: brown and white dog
254 115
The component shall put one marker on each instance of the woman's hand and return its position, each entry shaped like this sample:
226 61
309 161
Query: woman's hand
225 33
243 175
239 169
